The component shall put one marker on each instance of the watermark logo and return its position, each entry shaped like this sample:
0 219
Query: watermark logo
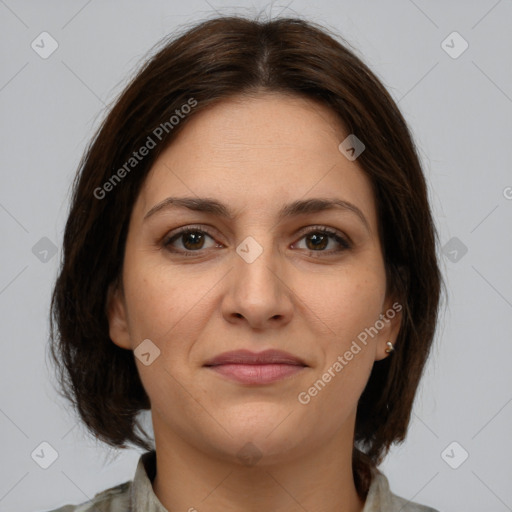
44 455
249 454
44 45
146 352
249 250
454 455
44 250
455 249
351 147
454 45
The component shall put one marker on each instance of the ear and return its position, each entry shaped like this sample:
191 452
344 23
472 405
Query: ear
117 319
391 317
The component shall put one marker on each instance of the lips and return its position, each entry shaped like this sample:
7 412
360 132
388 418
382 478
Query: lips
251 368
262 358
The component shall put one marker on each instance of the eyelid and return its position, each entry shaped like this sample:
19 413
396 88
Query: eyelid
189 227
186 229
328 230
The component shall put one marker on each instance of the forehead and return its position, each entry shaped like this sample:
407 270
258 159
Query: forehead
267 124
259 152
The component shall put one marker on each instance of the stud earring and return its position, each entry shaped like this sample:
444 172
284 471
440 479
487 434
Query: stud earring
390 348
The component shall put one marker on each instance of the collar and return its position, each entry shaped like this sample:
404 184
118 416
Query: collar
142 496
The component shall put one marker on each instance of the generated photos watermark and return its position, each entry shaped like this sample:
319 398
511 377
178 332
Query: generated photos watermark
304 397
137 156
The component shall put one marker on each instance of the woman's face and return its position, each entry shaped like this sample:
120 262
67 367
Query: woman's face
260 277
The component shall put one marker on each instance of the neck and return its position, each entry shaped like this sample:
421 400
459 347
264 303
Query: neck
189 479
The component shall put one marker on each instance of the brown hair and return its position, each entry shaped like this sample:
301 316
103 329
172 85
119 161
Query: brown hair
209 62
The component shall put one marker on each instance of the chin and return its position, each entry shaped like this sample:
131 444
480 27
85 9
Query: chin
262 435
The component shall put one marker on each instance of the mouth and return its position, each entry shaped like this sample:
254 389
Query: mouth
252 368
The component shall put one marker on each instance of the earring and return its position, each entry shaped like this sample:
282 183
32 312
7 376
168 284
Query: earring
390 348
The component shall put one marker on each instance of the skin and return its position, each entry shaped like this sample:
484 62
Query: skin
254 154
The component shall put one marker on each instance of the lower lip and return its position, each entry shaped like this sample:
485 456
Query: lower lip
257 373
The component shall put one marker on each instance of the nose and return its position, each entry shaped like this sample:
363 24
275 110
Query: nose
257 291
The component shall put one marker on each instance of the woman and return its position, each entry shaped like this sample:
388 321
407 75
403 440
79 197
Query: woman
250 254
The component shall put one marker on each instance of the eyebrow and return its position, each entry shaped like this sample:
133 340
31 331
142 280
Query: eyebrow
300 207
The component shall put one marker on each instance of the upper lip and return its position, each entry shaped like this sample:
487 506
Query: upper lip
247 357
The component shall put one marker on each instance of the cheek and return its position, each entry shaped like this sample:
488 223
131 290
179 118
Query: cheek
347 306
349 302
161 299
170 308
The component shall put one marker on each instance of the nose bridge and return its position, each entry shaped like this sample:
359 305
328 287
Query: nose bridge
256 264
257 291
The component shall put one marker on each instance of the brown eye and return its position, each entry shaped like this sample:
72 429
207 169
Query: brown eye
318 239
192 240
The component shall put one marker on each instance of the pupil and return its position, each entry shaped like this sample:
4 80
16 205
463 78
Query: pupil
197 237
320 241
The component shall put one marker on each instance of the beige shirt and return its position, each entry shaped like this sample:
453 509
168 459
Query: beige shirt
137 495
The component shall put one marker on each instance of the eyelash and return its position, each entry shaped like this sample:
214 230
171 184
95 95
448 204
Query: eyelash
333 234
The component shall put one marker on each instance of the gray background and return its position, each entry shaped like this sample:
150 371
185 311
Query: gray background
460 112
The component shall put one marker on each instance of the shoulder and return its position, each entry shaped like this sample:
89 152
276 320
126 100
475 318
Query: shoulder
114 499
381 499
